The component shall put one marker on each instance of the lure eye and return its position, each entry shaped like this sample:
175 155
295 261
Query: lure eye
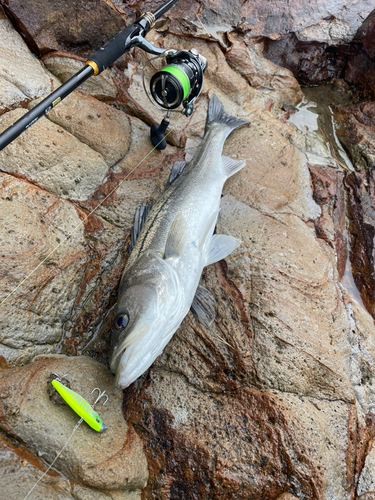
97 420
121 321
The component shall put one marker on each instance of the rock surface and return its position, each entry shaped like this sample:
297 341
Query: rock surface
277 400
89 458
77 26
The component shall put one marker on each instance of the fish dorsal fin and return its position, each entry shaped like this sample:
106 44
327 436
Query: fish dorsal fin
139 220
220 247
177 169
231 166
203 306
176 239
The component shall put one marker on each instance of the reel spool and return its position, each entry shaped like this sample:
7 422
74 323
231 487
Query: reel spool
179 82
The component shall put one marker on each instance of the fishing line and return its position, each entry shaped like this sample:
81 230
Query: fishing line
81 223
54 460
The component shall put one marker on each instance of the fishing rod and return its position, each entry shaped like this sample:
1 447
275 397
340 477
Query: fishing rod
179 82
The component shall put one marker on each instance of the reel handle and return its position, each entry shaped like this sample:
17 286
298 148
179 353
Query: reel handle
157 133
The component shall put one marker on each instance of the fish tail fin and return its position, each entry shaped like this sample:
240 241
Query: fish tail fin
216 114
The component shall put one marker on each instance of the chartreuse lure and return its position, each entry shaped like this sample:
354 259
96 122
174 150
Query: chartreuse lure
80 406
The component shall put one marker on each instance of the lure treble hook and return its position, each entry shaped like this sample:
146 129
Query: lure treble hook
100 395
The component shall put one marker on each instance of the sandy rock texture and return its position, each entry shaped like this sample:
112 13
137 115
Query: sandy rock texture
97 461
277 400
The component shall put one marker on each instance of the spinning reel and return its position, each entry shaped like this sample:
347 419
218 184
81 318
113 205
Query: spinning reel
178 83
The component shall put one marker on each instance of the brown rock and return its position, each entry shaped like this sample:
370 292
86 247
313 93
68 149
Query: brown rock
63 66
11 97
362 231
56 160
105 129
53 261
329 194
20 471
261 73
275 176
355 129
332 21
112 460
366 34
208 452
74 26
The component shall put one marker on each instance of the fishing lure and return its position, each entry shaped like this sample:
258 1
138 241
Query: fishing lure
80 406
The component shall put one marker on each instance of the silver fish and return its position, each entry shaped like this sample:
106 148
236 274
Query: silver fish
171 244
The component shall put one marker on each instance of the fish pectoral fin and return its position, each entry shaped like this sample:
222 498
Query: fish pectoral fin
220 247
139 220
203 306
177 169
232 166
176 239
208 229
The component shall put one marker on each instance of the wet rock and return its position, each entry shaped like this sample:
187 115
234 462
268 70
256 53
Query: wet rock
56 160
105 129
360 187
355 129
79 27
113 460
329 194
63 66
205 452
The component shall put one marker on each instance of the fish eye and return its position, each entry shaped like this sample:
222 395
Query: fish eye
121 321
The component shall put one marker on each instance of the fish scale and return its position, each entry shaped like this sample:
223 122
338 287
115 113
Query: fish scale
161 278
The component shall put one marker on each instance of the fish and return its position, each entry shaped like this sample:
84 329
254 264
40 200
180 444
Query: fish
80 406
171 243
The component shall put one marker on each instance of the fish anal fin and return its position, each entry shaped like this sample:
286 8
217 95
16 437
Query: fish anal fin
177 169
176 239
203 306
139 220
220 247
231 166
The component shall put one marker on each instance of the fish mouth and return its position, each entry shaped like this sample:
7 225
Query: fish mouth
116 358
119 353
